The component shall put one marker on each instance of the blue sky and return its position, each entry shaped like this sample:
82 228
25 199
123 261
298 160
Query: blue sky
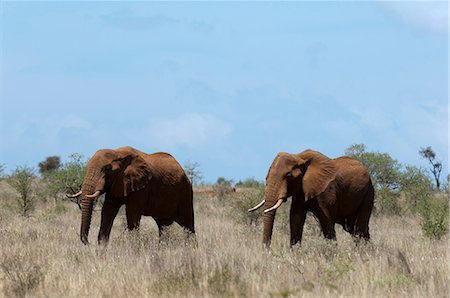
227 85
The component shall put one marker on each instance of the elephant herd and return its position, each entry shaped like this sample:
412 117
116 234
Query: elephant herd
335 190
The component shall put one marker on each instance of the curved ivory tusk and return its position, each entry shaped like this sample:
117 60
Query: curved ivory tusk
257 206
94 195
74 195
278 204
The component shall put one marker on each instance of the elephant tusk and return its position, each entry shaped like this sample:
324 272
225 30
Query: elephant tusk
94 195
257 206
278 204
74 195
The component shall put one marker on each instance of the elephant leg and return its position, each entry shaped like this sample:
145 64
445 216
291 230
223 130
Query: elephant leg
133 218
362 221
326 224
162 225
349 226
109 212
324 217
297 220
186 221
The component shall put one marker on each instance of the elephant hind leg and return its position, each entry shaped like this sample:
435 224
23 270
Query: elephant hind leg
363 217
324 217
185 216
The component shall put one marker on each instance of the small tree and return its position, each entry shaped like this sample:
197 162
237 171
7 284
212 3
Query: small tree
49 165
21 180
436 166
193 172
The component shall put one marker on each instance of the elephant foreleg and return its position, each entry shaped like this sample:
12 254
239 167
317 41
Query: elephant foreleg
162 225
297 220
109 212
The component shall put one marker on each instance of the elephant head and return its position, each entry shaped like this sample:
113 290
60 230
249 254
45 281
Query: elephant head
115 172
308 173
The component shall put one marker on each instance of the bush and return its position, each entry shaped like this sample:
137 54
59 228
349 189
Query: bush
21 180
246 200
434 217
387 202
69 177
416 187
250 183
222 187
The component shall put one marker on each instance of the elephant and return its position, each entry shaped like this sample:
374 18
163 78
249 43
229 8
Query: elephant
147 184
336 190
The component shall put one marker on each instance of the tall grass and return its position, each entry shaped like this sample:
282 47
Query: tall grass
42 256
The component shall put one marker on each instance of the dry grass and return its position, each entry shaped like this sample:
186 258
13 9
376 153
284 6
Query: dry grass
42 256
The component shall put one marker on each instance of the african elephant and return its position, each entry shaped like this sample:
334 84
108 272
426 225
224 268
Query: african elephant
147 184
335 190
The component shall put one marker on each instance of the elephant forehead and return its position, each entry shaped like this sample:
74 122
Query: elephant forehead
284 159
280 164
103 156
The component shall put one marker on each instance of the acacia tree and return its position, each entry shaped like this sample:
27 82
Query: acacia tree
436 165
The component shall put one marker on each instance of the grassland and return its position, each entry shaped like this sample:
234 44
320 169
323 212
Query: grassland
41 256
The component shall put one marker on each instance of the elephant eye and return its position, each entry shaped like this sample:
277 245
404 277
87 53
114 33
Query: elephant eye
289 175
108 168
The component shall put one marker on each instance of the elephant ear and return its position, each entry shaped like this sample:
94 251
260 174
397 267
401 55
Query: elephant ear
135 176
320 172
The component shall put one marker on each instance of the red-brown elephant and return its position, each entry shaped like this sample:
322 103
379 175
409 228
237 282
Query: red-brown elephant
147 184
335 190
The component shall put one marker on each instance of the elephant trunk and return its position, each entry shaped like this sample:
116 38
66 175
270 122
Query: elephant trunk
269 217
86 214
89 185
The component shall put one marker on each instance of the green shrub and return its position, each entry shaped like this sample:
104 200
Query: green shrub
434 217
387 202
250 183
245 200
222 187
416 186
68 178
21 180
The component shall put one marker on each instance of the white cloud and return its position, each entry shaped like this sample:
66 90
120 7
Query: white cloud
191 130
432 15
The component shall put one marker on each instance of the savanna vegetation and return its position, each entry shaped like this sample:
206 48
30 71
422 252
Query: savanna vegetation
41 254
